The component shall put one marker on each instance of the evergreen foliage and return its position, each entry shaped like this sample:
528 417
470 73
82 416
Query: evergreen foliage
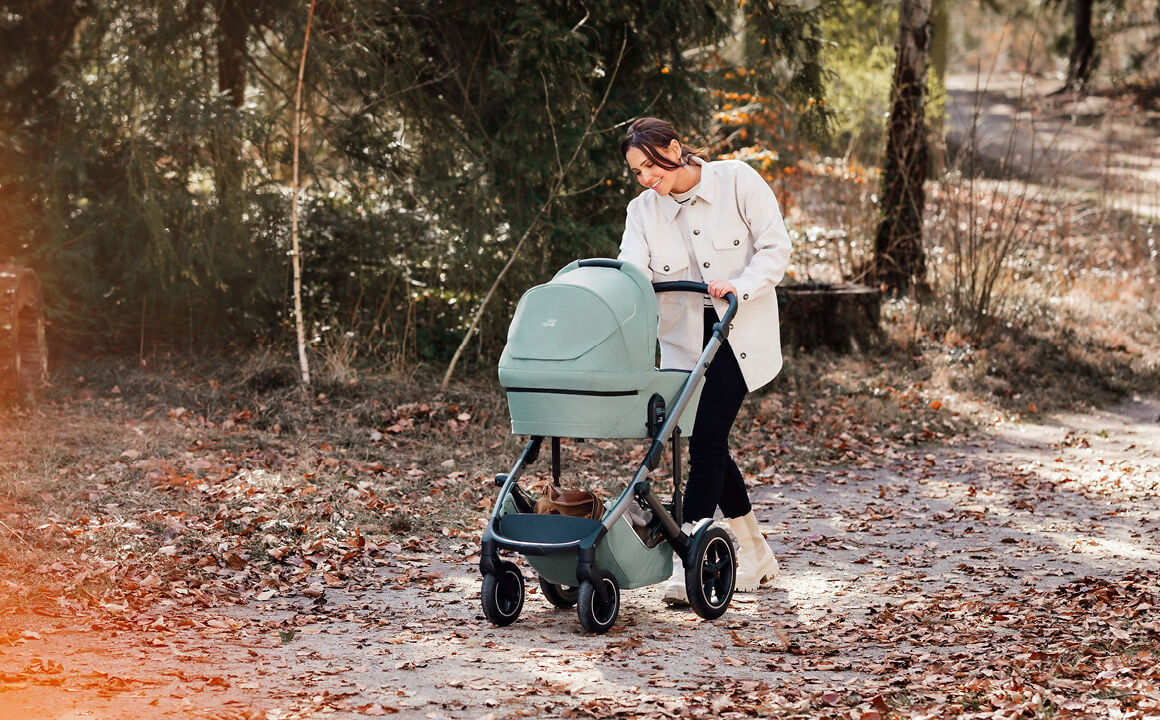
154 204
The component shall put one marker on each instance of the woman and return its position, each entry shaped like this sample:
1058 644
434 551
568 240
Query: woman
717 223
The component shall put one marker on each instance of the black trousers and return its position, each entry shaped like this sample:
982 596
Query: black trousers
714 479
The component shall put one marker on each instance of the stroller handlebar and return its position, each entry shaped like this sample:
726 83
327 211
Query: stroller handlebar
674 286
700 287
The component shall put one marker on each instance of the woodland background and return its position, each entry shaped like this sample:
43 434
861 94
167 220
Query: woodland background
146 151
965 510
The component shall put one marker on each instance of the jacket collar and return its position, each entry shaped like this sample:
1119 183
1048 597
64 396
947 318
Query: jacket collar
706 191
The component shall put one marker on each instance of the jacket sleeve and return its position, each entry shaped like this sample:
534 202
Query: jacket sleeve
759 208
633 247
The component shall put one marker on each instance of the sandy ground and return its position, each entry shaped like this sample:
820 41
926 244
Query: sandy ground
1007 519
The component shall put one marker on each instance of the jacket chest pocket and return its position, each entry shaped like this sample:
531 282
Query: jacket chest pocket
669 266
729 242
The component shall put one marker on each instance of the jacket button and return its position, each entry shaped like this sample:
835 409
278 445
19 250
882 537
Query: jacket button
666 268
696 232
736 243
705 264
742 356
745 296
694 202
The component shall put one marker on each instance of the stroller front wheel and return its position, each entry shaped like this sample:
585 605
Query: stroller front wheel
711 577
598 616
503 594
561 596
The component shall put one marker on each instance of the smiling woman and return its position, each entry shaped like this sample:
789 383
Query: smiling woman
717 223
23 351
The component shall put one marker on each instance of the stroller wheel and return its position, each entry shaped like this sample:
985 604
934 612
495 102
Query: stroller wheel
562 596
596 616
711 576
503 594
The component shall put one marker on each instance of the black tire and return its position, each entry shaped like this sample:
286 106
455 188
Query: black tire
711 577
595 616
503 594
562 596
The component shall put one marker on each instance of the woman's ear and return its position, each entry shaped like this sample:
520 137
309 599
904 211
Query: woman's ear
674 150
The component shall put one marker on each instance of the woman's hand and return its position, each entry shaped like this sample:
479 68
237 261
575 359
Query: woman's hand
720 288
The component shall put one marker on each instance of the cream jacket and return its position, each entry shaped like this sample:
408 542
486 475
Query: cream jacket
737 234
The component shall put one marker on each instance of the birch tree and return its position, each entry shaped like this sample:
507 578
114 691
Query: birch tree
295 254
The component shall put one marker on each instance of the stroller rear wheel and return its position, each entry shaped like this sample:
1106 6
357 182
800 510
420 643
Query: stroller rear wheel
503 594
562 596
711 577
597 616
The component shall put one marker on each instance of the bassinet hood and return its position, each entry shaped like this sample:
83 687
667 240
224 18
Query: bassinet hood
590 328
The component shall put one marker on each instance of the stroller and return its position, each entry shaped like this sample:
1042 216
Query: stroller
580 363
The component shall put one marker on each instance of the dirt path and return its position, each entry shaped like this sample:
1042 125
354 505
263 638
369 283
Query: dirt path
1091 147
911 583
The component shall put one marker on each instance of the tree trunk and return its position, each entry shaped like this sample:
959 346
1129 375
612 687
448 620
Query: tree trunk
1083 49
232 27
229 170
939 56
35 38
296 256
23 350
843 318
898 253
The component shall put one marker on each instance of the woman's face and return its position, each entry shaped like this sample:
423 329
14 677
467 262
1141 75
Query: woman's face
651 175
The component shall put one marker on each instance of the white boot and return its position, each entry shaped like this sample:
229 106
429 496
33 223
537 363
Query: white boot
675 594
756 564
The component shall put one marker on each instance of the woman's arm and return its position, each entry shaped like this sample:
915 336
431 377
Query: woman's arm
771 245
633 247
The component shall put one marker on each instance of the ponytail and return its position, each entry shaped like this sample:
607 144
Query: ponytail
651 136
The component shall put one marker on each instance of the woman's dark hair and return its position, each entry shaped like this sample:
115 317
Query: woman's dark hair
651 136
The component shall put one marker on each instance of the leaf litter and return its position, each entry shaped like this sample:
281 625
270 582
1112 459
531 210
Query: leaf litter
195 564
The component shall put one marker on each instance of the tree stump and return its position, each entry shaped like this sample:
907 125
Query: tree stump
23 350
841 317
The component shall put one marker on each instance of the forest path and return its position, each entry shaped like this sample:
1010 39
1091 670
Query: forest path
910 576
1093 147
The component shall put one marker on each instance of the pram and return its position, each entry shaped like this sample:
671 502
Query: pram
580 363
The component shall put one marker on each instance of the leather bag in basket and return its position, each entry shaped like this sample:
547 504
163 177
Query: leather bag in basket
577 503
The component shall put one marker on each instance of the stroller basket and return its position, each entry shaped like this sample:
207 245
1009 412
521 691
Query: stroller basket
552 542
580 359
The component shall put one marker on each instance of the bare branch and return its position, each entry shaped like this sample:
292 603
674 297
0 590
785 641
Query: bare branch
555 192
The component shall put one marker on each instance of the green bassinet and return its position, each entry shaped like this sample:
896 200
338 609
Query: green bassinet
580 359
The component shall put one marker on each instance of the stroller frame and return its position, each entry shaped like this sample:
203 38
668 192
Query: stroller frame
586 562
